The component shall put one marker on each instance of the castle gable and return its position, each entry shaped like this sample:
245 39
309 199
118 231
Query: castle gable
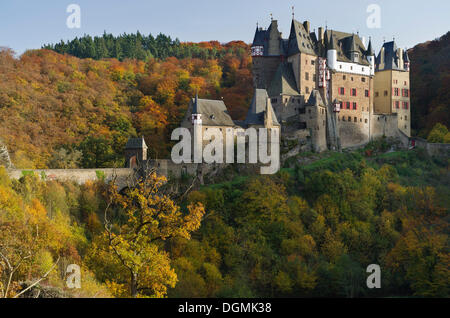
300 40
260 104
283 82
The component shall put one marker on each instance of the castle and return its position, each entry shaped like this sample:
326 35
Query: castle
324 90
331 86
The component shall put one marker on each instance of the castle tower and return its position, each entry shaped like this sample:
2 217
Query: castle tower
392 85
196 118
135 152
332 53
371 57
267 53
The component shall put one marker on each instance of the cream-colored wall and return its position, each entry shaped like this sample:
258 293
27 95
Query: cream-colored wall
404 115
388 81
382 83
302 64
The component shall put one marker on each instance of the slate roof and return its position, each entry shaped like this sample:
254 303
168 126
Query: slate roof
370 51
284 81
300 40
260 35
347 43
315 99
260 104
214 112
391 57
136 143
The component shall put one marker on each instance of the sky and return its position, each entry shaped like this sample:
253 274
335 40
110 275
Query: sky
27 24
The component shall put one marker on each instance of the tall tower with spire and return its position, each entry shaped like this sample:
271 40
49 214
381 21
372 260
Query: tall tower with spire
197 124
371 57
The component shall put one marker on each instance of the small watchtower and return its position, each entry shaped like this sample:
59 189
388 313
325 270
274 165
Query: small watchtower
135 152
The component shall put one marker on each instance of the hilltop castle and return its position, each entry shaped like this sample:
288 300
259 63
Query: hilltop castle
331 86
318 91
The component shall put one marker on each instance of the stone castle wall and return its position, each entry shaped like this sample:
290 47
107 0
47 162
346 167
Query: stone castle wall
81 176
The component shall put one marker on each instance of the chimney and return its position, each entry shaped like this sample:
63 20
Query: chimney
306 25
321 35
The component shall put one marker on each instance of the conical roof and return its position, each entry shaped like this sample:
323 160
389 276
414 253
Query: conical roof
370 51
353 46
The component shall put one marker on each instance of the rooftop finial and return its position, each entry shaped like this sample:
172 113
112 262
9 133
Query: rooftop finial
271 17
293 12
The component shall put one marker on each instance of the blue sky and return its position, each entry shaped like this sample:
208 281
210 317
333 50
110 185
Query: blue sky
30 24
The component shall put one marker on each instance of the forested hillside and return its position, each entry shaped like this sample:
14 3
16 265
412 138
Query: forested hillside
61 111
309 231
430 84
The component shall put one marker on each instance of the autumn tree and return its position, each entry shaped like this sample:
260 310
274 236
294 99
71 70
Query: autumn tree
150 217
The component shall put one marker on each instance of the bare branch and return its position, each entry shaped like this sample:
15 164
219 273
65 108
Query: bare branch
39 280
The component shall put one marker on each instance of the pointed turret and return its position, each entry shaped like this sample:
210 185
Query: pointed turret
353 46
333 44
332 52
370 51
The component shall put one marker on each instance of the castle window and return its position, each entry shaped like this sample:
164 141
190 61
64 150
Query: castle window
355 106
362 69
367 94
406 117
307 76
405 92
343 76
397 104
365 121
377 94
313 62
341 91
405 105
349 119
351 68
340 66
363 79
307 90
351 78
348 105
385 93
355 120
396 91
353 92
405 83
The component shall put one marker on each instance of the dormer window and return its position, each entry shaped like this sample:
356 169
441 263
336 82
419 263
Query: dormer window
212 117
